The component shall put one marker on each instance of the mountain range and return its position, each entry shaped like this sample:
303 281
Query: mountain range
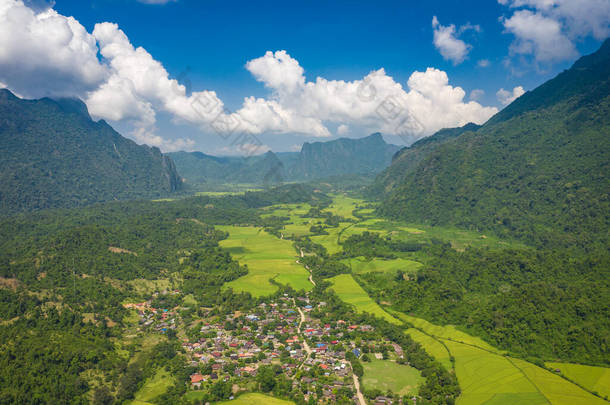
538 169
55 155
317 160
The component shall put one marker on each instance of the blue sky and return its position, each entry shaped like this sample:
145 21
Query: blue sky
205 45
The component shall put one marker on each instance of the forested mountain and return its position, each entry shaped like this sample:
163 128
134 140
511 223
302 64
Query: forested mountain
199 168
55 155
317 160
366 155
409 157
538 169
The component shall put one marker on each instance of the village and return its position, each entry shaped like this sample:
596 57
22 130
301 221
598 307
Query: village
278 333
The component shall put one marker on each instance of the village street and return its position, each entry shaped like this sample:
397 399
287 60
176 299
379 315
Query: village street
357 386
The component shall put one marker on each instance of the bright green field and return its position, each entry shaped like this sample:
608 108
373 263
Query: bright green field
485 376
445 332
350 291
360 265
267 258
596 379
298 226
256 399
153 387
558 390
387 375
330 241
432 346
343 205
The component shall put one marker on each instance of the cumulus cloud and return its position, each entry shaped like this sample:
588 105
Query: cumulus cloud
45 53
446 41
506 97
277 71
540 36
376 102
548 29
483 63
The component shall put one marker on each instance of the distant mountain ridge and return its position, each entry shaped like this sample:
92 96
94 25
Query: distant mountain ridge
538 169
343 156
55 155
368 155
200 168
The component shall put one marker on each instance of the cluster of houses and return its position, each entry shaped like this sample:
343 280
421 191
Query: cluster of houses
277 332
311 354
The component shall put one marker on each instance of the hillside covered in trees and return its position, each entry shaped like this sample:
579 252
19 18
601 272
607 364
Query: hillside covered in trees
55 155
537 170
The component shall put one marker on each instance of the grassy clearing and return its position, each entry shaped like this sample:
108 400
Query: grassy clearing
267 257
596 379
387 375
432 346
350 291
485 376
153 387
256 399
360 265
558 390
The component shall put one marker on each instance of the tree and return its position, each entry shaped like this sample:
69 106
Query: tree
102 396
266 378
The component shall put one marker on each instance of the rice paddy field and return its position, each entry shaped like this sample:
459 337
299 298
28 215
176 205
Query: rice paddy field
267 257
448 332
387 375
350 292
557 390
432 346
487 376
343 206
596 379
360 265
331 241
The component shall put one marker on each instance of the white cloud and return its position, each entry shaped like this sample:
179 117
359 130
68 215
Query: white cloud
483 63
144 136
46 53
278 71
540 36
376 102
476 94
342 129
548 29
506 97
53 54
447 43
